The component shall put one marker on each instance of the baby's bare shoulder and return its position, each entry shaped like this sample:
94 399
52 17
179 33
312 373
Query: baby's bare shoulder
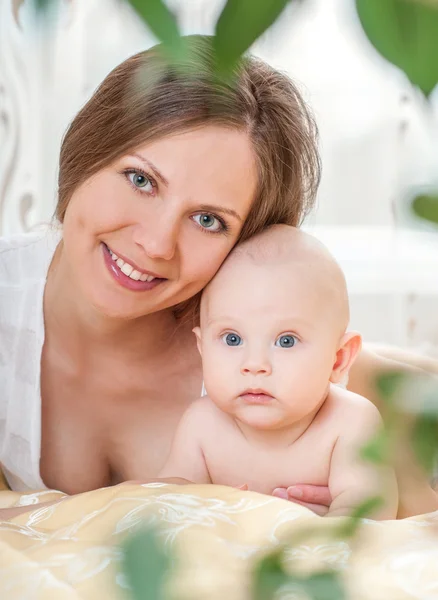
352 411
201 408
204 411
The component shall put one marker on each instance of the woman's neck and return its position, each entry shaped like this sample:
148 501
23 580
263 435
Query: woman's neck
81 328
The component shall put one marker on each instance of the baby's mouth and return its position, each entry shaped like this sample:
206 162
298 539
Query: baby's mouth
256 396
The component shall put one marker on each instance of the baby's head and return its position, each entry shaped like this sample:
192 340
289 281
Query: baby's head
274 320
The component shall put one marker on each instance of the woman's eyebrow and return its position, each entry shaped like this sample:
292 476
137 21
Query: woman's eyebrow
221 209
152 167
206 207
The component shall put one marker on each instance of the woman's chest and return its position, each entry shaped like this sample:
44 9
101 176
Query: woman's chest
111 426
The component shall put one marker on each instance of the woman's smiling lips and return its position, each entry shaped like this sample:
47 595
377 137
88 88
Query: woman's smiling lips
256 396
127 275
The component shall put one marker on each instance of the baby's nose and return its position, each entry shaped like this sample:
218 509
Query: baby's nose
256 366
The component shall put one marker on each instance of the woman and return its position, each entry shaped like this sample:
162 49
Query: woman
161 174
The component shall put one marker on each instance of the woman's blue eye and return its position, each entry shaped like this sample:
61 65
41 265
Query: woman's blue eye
286 341
139 180
209 222
232 339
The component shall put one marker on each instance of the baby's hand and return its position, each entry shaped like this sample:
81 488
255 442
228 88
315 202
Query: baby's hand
243 487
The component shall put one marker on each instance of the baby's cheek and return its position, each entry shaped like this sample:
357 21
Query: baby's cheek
219 377
295 372
301 385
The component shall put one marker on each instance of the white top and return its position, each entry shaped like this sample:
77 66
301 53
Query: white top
24 263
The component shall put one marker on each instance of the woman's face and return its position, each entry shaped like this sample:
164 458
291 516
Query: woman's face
151 229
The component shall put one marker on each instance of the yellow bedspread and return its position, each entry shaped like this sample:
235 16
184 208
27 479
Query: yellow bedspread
70 550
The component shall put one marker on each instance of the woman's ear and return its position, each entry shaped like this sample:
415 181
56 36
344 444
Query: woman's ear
349 348
197 332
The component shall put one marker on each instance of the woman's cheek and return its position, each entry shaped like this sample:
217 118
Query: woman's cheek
204 256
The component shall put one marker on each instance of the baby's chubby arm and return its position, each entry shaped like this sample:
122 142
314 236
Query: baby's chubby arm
353 480
186 459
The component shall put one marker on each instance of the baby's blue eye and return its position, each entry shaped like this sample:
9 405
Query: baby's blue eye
286 341
232 339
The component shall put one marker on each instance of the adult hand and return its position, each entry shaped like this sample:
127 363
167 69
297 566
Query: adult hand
315 497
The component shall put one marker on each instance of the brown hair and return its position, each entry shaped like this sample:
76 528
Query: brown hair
145 98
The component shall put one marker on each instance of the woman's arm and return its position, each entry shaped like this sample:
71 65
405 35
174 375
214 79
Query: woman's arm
377 359
407 357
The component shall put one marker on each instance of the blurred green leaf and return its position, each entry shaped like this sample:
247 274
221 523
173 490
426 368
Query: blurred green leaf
430 400
45 8
42 4
269 576
377 449
424 206
325 585
388 383
417 396
363 511
366 508
145 565
239 25
405 33
161 21
425 441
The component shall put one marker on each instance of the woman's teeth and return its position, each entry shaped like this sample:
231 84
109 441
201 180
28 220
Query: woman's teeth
129 270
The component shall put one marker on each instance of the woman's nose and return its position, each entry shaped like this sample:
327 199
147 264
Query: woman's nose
158 239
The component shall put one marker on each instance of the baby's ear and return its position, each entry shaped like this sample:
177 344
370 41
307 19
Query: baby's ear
348 350
197 332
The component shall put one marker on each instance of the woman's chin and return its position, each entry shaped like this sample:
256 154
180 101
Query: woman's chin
112 306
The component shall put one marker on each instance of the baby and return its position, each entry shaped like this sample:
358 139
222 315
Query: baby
274 345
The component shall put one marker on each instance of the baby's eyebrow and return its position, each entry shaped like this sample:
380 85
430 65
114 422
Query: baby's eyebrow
281 325
220 320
